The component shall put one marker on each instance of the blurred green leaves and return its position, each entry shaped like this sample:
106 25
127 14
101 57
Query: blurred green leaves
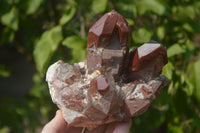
4 130
197 77
77 46
175 49
4 71
161 32
142 35
175 128
183 13
168 70
99 6
155 6
32 6
7 35
38 87
67 16
46 47
10 18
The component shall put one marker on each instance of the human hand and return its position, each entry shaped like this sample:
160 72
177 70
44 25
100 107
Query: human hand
58 125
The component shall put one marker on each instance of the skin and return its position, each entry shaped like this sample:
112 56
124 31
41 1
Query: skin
58 125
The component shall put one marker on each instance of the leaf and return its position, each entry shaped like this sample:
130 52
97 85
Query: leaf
77 46
161 32
189 49
152 119
175 49
46 47
175 128
99 6
4 72
197 77
168 70
37 90
142 35
151 5
67 16
189 89
7 36
4 130
190 79
183 13
188 27
33 5
130 21
10 19
171 88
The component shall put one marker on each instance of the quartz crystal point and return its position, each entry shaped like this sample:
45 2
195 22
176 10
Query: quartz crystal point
112 84
108 43
147 61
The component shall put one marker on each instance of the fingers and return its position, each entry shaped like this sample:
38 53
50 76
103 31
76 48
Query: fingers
99 129
111 127
56 125
123 127
119 127
74 130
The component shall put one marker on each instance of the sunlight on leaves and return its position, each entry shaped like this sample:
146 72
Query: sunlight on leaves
4 72
33 5
151 5
175 49
77 46
6 36
99 5
168 70
46 47
142 35
161 32
67 15
11 19
4 130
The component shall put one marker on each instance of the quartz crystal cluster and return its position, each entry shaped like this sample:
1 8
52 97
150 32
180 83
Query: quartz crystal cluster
113 84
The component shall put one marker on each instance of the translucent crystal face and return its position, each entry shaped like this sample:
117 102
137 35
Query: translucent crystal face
147 49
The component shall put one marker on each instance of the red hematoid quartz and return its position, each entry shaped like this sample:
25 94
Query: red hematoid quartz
112 84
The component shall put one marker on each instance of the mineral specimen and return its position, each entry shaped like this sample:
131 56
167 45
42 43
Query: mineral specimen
112 84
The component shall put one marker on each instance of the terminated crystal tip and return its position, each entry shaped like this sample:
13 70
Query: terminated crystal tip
102 31
148 61
146 53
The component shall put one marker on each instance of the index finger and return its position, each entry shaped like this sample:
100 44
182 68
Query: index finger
119 127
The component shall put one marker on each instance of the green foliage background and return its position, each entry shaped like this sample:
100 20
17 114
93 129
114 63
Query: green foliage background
49 30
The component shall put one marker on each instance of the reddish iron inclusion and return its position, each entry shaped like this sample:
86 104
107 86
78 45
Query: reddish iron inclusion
113 84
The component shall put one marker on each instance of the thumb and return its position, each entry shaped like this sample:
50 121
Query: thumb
123 127
56 125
